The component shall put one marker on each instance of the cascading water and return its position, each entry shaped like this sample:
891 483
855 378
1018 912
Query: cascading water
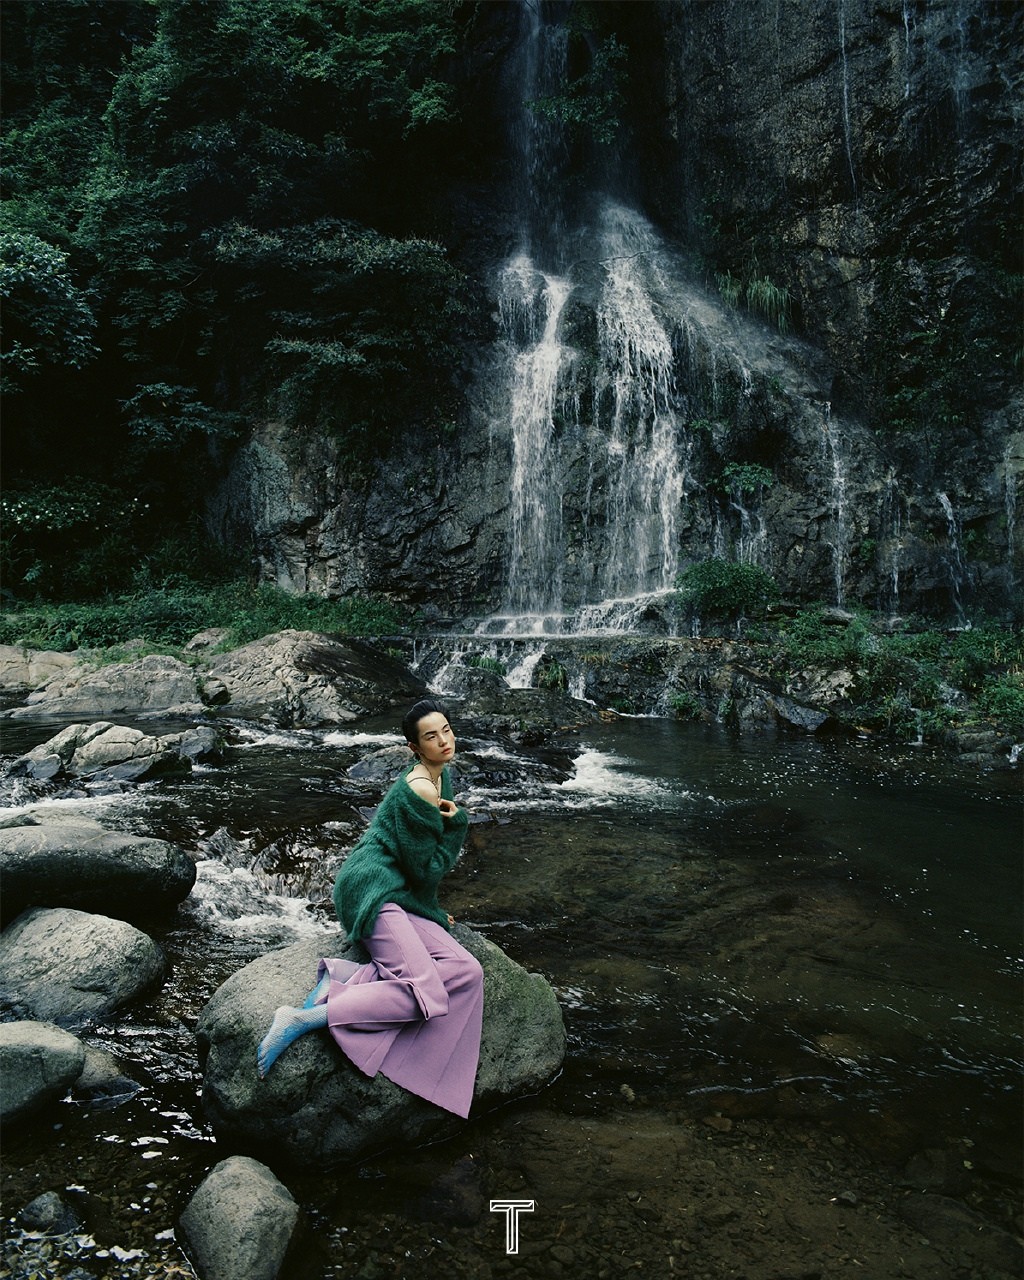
587 544
621 543
955 564
835 465
847 132
531 304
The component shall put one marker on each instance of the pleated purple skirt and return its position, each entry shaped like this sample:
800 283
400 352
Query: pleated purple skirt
414 1012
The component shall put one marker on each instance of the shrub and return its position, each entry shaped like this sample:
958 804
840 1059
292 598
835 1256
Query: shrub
727 589
551 675
1002 698
171 616
483 663
685 705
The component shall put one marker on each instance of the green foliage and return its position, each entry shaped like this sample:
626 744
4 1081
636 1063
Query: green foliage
171 616
769 301
551 674
228 201
901 684
41 522
358 329
162 414
730 288
47 321
727 589
592 101
761 296
745 477
482 662
685 705
1002 698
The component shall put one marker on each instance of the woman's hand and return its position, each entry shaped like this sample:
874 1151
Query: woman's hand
448 808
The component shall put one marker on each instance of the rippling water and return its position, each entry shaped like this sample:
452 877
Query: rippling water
789 929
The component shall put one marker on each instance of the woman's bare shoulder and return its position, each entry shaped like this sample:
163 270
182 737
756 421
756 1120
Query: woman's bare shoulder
423 787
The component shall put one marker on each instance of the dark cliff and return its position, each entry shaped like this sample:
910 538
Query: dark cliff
824 199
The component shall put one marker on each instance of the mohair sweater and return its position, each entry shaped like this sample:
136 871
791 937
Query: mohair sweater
400 857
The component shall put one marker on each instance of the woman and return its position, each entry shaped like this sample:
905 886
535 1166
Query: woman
414 1012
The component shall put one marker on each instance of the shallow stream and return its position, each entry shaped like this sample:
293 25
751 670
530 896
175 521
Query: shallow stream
774 946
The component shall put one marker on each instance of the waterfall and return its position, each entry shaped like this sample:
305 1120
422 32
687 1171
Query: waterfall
847 133
891 525
906 48
588 552
589 542
636 381
836 467
1010 479
530 305
956 566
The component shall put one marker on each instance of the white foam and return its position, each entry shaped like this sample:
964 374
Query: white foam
232 900
343 738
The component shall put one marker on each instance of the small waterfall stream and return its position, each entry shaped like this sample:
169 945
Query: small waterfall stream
835 463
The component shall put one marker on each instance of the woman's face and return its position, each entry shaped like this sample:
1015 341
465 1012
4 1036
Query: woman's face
436 743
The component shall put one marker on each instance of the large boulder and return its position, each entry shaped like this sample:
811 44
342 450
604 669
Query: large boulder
304 678
71 861
239 1223
71 967
117 753
38 1064
28 668
154 684
315 1109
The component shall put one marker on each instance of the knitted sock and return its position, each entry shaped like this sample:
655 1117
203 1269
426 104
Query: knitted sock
287 1026
319 993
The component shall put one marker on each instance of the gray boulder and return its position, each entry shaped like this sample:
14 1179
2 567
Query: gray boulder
72 861
38 1064
315 1109
240 1222
154 684
28 668
50 1215
102 1083
70 967
117 753
304 678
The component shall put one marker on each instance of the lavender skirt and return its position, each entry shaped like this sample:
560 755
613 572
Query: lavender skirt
414 1012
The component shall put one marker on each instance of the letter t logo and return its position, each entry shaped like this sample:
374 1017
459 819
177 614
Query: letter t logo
511 1209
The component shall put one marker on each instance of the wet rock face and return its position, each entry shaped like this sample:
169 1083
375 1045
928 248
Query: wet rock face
153 684
69 967
117 753
859 156
239 1222
74 862
304 678
38 1062
314 1109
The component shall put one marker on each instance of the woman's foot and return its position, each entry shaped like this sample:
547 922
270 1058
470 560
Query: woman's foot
287 1026
319 993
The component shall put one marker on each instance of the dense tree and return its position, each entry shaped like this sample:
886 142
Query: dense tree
201 194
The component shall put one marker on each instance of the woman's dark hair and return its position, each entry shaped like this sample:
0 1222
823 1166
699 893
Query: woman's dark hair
412 718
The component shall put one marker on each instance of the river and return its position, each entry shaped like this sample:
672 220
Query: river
771 945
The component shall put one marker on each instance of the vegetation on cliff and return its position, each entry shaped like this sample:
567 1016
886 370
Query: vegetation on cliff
213 211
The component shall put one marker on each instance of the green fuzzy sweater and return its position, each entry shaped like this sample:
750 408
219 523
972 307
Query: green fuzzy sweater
400 857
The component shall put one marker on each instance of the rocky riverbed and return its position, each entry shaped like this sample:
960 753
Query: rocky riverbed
784 1057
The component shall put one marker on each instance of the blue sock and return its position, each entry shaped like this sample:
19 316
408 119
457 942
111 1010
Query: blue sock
319 992
287 1026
